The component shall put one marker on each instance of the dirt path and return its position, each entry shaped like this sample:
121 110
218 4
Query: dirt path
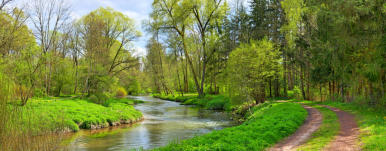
348 133
313 122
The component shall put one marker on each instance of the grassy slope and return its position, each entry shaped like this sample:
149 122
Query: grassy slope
266 126
55 114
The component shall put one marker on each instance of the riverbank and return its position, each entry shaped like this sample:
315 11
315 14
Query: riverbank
211 102
266 125
72 114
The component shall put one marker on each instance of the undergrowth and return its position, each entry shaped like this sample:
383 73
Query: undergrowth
212 102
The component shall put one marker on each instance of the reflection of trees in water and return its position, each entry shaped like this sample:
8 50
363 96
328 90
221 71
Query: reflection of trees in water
202 113
156 132
186 112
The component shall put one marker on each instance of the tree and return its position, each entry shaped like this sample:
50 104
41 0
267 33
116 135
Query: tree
19 56
260 60
207 14
48 19
106 35
4 3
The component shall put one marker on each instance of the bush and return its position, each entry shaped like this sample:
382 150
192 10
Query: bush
100 98
121 92
294 93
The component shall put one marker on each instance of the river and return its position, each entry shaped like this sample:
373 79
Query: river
165 122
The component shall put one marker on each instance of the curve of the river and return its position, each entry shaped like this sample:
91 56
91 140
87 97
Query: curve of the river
165 121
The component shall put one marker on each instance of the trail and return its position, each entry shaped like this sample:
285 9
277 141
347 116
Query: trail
313 122
348 133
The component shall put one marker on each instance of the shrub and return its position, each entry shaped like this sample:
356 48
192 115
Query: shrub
121 92
93 99
102 98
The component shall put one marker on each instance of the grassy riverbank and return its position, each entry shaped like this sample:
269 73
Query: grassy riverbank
72 114
212 102
268 123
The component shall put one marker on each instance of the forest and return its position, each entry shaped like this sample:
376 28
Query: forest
266 63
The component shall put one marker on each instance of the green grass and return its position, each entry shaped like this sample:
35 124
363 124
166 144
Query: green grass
326 132
73 114
212 102
269 123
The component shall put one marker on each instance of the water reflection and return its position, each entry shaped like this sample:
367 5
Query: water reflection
164 122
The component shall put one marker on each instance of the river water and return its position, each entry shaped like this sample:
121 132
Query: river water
165 122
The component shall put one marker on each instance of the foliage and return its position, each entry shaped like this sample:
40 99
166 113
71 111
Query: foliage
212 102
265 127
121 92
260 61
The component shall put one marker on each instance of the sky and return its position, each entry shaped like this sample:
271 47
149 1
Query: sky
138 10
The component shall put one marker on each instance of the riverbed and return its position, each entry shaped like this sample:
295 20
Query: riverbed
164 122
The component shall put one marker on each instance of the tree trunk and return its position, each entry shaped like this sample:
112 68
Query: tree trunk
270 87
285 74
191 67
302 83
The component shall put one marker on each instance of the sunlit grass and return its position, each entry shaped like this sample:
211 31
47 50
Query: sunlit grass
73 114
269 123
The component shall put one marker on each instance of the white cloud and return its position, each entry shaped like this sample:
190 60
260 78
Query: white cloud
137 17
139 51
